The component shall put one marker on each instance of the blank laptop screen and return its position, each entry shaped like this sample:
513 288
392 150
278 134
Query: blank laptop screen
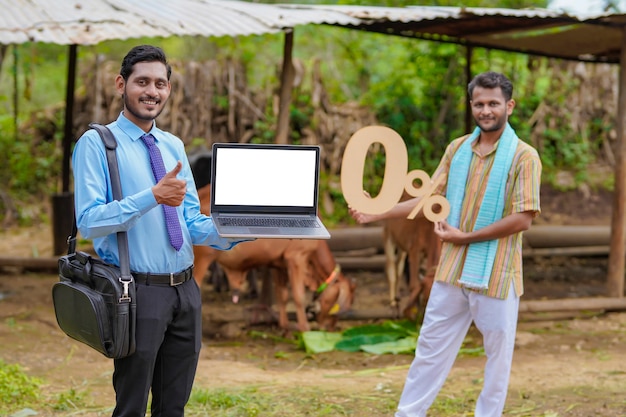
265 177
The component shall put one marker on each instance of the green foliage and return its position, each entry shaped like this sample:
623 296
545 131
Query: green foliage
220 400
36 159
32 166
330 184
69 400
559 146
40 74
417 98
17 389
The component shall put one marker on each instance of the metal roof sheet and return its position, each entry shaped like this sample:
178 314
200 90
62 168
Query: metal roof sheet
588 37
92 21
584 37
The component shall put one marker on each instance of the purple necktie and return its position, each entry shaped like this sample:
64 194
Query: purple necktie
158 169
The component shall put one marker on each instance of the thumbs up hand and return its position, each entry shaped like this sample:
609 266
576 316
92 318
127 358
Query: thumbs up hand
170 190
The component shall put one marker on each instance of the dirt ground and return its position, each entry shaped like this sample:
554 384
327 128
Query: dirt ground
564 365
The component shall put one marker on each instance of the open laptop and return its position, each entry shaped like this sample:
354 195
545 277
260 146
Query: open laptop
266 191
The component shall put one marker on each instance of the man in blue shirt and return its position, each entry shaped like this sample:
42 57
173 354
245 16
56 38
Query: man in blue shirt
168 336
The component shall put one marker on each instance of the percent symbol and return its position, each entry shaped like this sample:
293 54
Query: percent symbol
395 179
427 201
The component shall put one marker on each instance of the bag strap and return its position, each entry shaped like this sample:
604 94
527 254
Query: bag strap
116 185
122 239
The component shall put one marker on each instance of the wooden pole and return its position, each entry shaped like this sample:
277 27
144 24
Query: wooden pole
217 315
286 87
68 136
16 93
3 51
615 276
573 304
468 77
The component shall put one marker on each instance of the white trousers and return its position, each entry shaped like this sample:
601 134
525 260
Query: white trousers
449 314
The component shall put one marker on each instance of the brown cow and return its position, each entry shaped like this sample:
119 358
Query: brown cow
300 264
417 240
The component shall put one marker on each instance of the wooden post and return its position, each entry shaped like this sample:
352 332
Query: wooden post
16 93
3 51
286 87
468 77
68 136
615 278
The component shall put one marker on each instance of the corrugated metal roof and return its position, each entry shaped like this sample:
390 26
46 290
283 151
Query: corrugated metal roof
586 37
594 38
92 21
415 13
411 14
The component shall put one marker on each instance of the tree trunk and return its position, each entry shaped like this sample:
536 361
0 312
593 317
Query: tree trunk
286 87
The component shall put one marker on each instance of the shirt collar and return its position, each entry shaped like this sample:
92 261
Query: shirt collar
495 147
132 130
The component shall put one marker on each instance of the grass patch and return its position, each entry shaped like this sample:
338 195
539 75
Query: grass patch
455 400
17 389
281 401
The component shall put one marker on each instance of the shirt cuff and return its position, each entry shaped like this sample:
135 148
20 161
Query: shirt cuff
145 201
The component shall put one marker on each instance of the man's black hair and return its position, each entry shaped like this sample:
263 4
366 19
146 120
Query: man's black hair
143 53
492 79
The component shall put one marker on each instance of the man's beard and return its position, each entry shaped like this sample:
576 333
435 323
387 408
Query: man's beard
136 113
498 124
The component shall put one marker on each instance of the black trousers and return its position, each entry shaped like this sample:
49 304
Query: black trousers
168 340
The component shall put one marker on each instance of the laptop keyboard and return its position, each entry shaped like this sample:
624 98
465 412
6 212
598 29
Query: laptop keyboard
267 222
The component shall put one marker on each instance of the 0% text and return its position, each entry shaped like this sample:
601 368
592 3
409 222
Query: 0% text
395 180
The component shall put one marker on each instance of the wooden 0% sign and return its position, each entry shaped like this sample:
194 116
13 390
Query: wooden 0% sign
395 180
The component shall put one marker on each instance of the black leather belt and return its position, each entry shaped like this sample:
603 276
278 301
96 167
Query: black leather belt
170 280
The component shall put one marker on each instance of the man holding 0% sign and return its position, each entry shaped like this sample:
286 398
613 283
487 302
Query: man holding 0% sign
491 181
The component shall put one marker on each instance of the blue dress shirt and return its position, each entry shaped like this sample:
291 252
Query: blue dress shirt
99 217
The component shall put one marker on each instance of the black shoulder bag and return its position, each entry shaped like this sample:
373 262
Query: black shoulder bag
94 302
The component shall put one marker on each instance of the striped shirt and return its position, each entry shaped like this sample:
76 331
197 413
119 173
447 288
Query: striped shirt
522 194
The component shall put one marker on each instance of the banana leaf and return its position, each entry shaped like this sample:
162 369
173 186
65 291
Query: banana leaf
402 328
371 335
405 345
355 343
317 341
